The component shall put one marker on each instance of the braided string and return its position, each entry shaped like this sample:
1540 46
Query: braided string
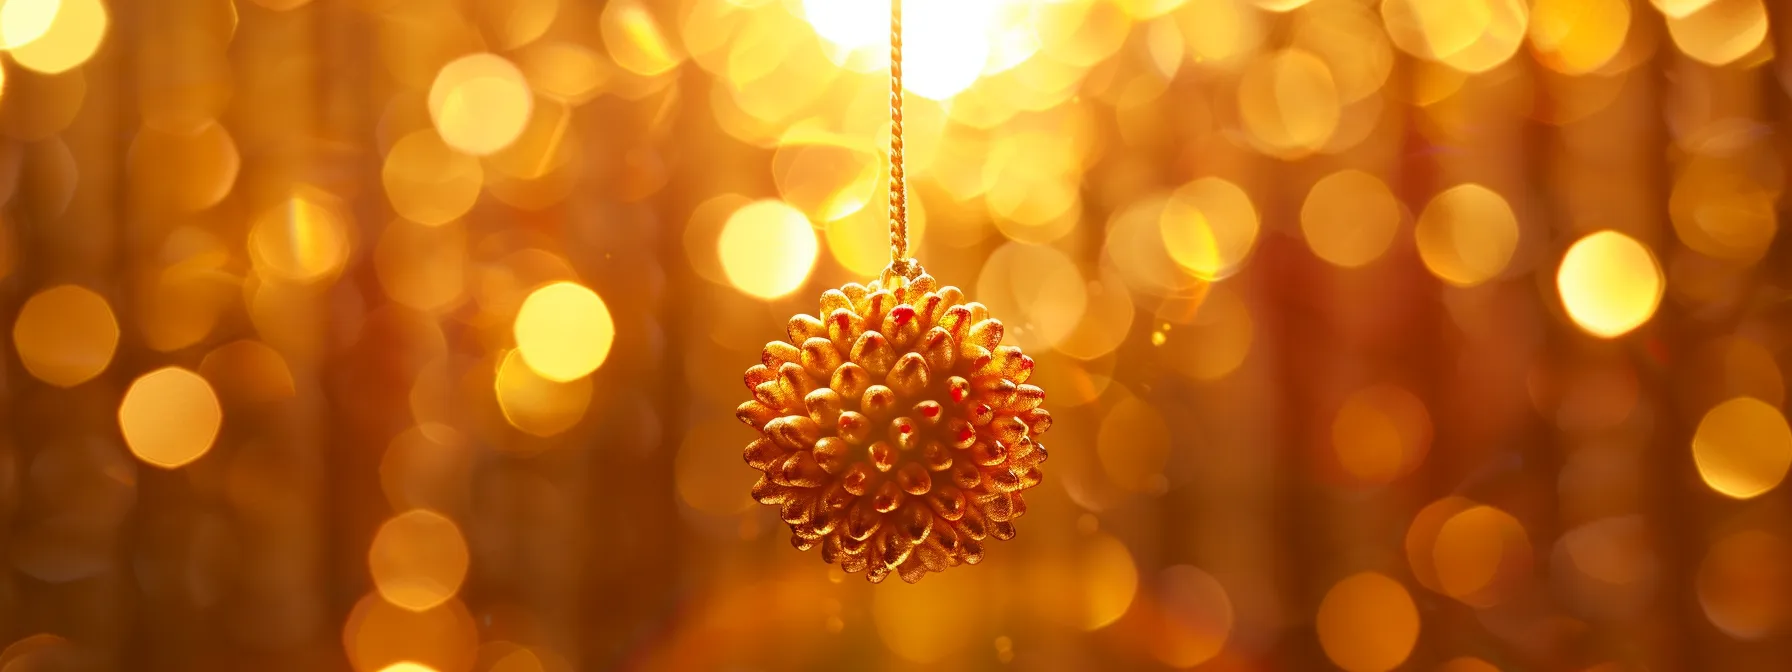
899 253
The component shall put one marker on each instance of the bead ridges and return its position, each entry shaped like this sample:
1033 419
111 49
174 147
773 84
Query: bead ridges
897 433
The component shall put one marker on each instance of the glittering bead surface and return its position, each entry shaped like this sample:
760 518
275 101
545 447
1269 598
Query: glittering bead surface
896 432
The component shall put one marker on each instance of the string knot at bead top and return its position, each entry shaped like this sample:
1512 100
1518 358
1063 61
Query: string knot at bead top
897 432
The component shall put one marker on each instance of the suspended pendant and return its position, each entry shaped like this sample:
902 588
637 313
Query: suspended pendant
898 433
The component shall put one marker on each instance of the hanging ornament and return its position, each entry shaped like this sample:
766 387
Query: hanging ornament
897 431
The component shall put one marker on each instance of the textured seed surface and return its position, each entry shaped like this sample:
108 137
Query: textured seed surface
897 432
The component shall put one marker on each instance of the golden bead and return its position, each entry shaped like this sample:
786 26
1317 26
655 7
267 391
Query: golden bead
898 432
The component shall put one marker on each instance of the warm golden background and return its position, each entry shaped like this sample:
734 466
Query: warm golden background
406 335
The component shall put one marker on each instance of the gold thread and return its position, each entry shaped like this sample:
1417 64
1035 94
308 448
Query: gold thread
900 262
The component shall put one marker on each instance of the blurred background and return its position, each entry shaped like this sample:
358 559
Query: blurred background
406 335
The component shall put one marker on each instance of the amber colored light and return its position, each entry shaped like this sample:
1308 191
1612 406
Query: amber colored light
1724 209
1579 36
1467 235
429 182
1197 617
861 241
1289 103
828 178
520 660
914 621
23 21
951 43
535 404
169 417
1740 582
1367 623
1036 283
1381 433
1350 218
636 40
1134 444
767 249
377 634
564 331
304 239
1217 339
1610 284
1742 447
248 370
71 38
1469 35
418 559
1111 582
705 470
480 103
1210 227
65 335
208 159
1420 542
1719 32
1478 553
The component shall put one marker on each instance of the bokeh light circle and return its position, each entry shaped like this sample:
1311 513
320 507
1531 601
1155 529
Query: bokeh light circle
826 178
169 417
480 103
1380 433
635 39
1610 284
1420 543
1368 623
429 182
1197 617
1289 103
1109 581
1469 35
946 44
1209 227
1350 218
208 161
1719 32
23 21
65 335
378 634
536 405
71 38
1742 581
767 249
1576 37
1478 553
418 559
564 331
1038 289
1723 208
1467 235
1742 447
1216 339
303 240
